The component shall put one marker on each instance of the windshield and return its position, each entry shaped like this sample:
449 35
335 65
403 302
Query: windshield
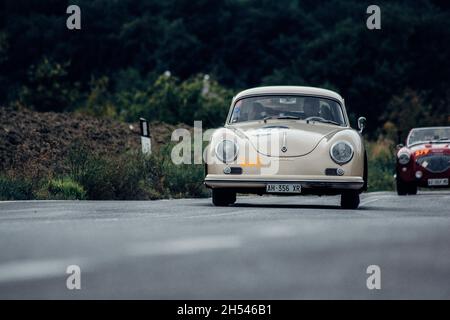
288 107
425 135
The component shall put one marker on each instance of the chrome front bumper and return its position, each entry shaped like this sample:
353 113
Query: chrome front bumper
353 183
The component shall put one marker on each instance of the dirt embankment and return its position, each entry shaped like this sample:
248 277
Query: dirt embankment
38 143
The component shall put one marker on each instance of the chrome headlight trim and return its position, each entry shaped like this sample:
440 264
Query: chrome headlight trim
404 158
219 154
345 160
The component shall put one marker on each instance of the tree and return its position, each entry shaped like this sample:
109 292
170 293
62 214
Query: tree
48 88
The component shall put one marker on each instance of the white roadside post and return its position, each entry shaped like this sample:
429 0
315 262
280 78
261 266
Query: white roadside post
145 137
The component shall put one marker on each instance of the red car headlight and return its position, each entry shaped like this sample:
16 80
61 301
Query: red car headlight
403 158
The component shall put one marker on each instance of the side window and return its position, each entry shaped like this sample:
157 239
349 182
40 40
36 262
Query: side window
235 117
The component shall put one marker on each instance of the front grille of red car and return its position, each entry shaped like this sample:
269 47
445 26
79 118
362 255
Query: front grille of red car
435 163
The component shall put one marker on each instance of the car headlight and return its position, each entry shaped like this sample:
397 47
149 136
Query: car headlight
403 158
341 152
227 151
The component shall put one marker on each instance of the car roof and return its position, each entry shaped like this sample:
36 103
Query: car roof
297 90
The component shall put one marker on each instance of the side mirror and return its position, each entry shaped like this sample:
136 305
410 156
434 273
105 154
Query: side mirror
400 145
361 124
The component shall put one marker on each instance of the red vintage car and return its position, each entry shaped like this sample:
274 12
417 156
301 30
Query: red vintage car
424 161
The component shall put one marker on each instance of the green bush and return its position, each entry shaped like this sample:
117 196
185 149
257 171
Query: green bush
154 181
134 176
381 163
64 189
130 176
127 176
95 179
183 180
13 188
122 177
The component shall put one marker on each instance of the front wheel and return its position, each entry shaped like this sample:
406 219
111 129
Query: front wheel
223 197
412 189
402 187
350 200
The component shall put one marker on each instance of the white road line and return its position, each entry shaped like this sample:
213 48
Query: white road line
35 269
185 246
370 200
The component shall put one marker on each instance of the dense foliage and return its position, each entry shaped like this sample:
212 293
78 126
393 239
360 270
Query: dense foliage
113 65
129 176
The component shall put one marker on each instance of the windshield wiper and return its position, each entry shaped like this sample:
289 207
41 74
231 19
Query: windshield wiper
267 118
325 121
280 118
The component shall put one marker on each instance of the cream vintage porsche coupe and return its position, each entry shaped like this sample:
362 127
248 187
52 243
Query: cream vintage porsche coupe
287 140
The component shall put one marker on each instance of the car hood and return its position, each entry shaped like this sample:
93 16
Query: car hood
286 139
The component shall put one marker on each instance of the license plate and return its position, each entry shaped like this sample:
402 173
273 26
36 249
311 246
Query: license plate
438 182
283 188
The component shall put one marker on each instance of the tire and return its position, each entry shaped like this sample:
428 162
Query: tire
412 189
350 200
366 173
402 187
223 198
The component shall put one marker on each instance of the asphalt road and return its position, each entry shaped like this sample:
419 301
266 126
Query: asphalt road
260 248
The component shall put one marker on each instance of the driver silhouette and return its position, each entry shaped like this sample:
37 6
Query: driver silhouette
256 111
311 107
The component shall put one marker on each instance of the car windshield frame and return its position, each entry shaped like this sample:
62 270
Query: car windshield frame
288 95
408 143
